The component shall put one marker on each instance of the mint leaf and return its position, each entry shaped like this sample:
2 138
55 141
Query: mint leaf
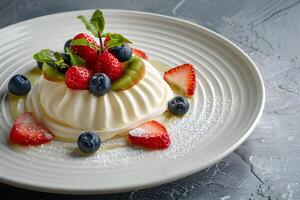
83 42
45 55
75 60
48 56
90 27
116 40
59 60
97 20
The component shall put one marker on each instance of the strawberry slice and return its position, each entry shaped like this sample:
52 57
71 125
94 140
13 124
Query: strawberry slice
151 135
139 53
182 78
27 130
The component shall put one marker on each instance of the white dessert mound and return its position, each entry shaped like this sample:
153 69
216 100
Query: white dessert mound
67 113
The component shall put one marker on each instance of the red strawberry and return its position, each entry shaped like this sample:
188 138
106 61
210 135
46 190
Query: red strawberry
151 135
139 53
89 54
27 130
77 78
183 78
107 38
108 64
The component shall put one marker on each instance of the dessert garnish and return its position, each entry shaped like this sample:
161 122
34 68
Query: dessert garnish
103 85
88 142
139 53
26 130
178 105
19 85
182 79
152 135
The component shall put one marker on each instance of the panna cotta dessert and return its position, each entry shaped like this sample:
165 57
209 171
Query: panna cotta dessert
95 91
66 113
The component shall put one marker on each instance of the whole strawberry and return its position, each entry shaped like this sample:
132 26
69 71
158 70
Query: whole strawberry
87 53
77 78
108 64
27 130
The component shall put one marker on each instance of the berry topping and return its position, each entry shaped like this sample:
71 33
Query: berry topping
67 59
108 64
123 53
88 142
139 53
67 45
77 78
182 79
27 130
151 135
178 105
89 54
134 73
19 85
99 84
106 40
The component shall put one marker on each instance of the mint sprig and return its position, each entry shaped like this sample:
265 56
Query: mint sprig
88 25
75 60
97 20
83 42
50 57
53 59
96 26
46 55
116 39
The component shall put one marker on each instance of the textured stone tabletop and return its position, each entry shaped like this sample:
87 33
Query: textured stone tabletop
267 165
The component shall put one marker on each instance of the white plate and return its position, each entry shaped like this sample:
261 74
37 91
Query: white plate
228 103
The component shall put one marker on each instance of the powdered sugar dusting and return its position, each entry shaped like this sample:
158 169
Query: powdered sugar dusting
138 132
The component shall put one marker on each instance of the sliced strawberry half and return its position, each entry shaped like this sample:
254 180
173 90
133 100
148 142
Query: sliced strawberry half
182 78
27 130
151 135
139 53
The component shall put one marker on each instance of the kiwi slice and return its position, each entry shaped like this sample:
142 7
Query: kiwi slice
51 74
135 71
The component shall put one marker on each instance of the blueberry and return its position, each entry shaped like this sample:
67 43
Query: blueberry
88 142
67 63
67 58
178 105
115 50
19 85
40 64
123 52
63 69
99 84
67 44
